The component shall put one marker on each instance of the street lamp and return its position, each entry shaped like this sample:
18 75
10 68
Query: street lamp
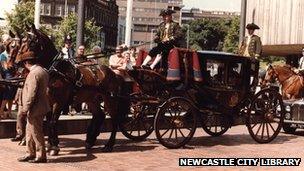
37 13
188 34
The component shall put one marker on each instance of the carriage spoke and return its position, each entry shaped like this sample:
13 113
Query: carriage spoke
271 127
165 132
171 133
267 130
262 135
258 130
176 137
181 132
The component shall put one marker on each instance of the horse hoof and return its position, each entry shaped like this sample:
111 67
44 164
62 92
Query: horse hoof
107 149
89 146
54 152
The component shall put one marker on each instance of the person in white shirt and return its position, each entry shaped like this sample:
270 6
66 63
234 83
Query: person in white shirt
68 51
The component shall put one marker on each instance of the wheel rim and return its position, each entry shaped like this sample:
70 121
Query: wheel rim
265 116
175 123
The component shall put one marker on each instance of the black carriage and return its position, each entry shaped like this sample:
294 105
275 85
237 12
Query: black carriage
226 96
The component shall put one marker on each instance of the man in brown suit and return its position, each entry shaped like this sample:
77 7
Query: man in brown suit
251 46
35 105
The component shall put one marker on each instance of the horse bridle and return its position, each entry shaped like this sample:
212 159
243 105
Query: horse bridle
67 78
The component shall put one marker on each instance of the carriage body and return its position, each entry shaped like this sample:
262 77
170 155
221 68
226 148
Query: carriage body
224 96
229 79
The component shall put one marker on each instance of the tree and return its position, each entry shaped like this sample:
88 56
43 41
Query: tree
231 41
207 34
22 14
68 26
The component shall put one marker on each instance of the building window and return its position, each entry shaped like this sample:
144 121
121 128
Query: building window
71 9
45 9
59 10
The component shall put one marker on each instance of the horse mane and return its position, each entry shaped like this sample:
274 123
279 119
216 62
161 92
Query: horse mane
48 50
285 68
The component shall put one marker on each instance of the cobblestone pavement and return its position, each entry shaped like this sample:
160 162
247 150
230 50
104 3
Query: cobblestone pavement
150 155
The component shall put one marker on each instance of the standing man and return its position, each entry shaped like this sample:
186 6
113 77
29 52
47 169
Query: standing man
251 46
167 37
301 63
67 50
35 106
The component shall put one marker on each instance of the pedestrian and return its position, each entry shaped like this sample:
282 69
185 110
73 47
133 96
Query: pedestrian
35 105
67 50
251 45
21 120
7 73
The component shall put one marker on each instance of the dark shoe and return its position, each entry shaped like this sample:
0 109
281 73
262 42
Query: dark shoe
38 161
146 67
17 138
26 158
89 145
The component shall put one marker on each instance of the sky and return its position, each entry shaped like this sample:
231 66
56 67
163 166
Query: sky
221 5
218 5
6 5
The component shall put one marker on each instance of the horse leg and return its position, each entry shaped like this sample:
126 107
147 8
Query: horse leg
52 121
93 129
118 108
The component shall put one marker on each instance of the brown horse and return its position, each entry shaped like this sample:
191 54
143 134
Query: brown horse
291 82
69 84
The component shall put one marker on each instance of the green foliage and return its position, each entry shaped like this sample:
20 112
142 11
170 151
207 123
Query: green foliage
214 34
22 14
207 34
231 41
68 26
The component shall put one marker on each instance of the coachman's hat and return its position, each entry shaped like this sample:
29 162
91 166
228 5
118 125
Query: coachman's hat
166 12
26 56
252 26
68 39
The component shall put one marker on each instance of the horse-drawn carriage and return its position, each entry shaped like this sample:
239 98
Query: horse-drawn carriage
209 89
213 90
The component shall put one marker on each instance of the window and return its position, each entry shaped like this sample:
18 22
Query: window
59 10
45 9
71 9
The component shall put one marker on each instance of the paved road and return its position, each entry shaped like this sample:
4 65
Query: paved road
149 155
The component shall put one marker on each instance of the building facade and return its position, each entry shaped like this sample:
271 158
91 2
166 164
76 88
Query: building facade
281 23
146 17
103 12
189 15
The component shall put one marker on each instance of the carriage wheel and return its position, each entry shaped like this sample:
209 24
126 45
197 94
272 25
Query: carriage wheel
288 129
215 125
175 123
139 123
265 116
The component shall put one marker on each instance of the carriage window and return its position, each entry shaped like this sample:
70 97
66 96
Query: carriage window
216 71
234 73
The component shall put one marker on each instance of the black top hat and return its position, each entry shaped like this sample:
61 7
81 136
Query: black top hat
68 39
252 26
166 12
